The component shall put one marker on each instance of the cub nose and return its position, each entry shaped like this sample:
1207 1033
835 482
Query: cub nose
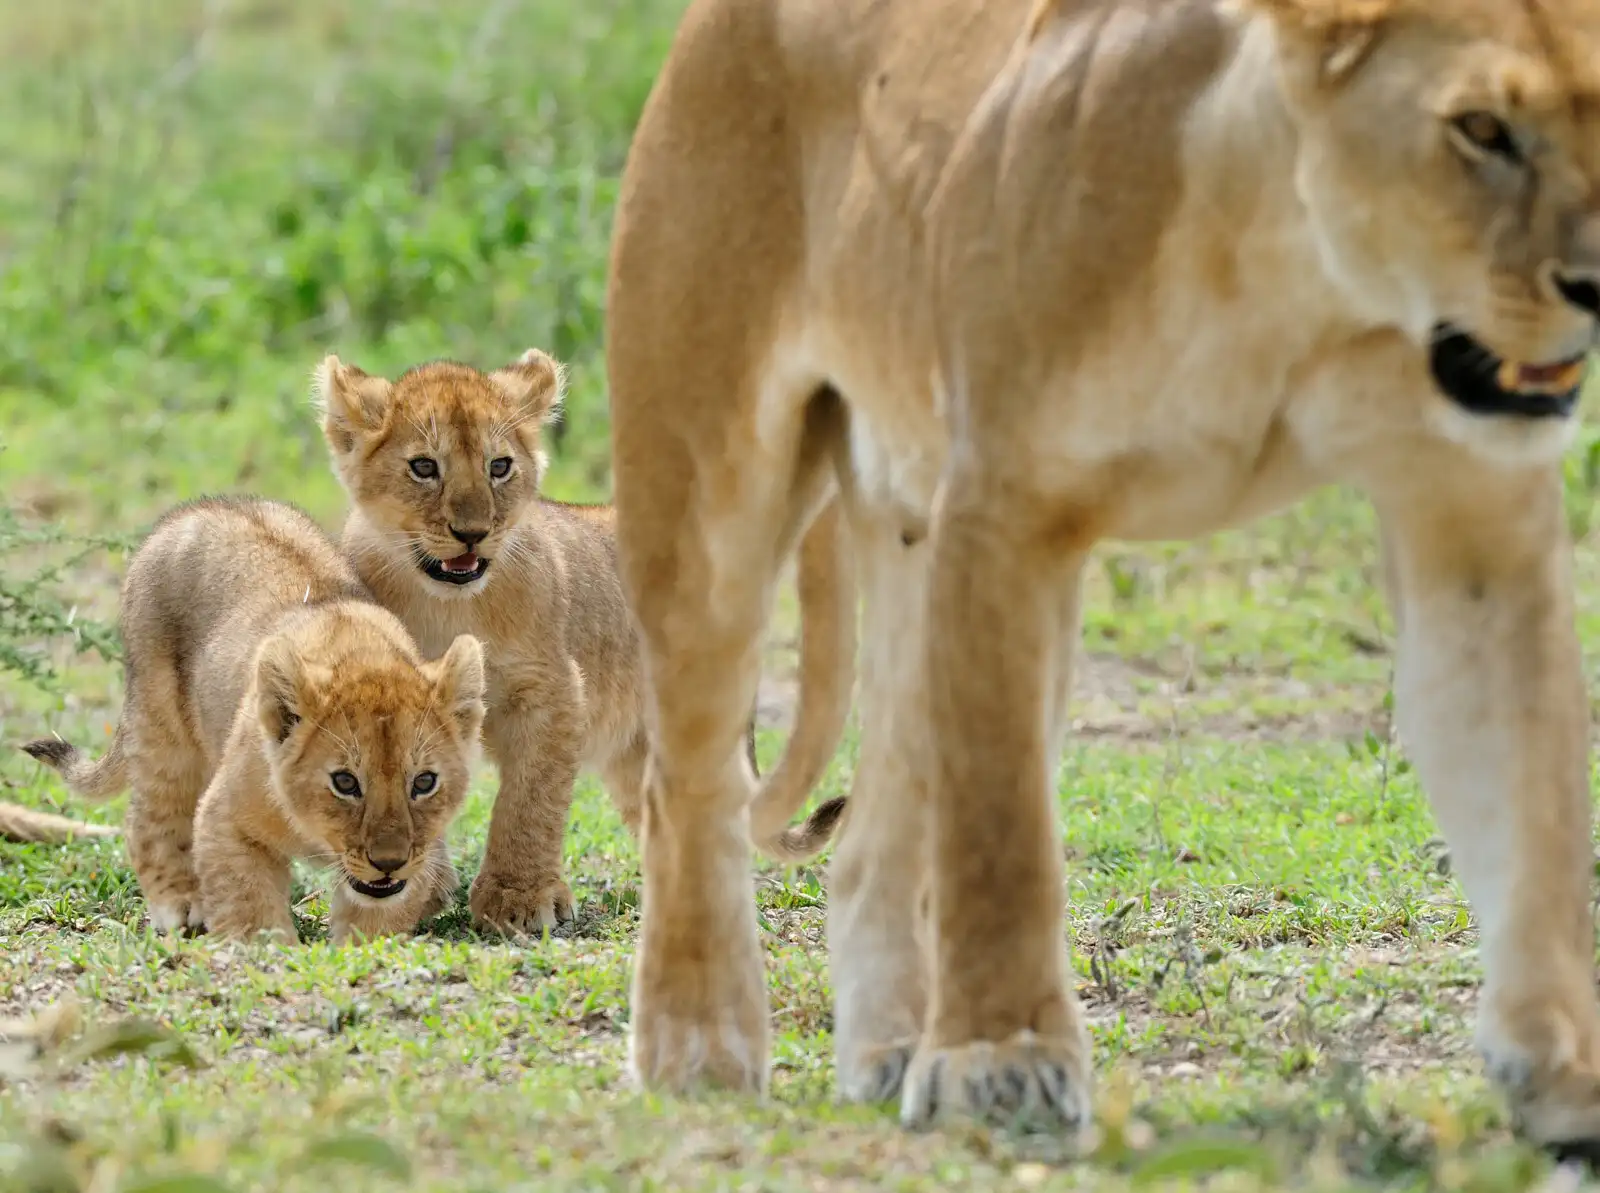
386 865
469 538
1581 291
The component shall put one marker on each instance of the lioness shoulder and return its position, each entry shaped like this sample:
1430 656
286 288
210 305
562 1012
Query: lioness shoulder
273 710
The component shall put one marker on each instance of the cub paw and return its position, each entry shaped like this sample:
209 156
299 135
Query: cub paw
1026 1081
517 910
177 915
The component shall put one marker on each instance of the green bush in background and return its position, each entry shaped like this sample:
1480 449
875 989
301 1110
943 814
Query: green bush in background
199 198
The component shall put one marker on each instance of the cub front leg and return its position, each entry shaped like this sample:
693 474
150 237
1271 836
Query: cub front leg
1493 710
533 737
244 885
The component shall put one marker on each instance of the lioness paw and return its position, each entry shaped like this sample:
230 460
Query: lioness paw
515 910
876 1074
1026 1081
665 1053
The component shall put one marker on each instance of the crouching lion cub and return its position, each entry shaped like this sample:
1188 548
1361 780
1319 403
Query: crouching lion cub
274 711
449 530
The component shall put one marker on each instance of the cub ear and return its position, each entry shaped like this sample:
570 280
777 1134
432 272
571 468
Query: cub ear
354 405
459 684
278 693
534 383
1334 36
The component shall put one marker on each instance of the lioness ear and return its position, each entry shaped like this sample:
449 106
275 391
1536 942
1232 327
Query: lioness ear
534 383
1339 34
353 404
459 682
278 703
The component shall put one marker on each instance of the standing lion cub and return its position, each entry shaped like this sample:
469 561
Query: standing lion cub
273 711
448 529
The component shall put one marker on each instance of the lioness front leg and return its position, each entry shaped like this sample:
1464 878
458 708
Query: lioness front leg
1493 709
520 888
1004 1037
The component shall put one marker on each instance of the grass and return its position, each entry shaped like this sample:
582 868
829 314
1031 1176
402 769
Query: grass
198 200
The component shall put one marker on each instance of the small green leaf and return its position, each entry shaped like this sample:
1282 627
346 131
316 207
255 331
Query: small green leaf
183 1182
133 1035
1194 1157
358 1148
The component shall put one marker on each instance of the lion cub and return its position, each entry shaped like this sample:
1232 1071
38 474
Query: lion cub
273 711
448 529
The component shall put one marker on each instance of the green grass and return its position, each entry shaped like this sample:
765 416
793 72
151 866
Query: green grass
199 200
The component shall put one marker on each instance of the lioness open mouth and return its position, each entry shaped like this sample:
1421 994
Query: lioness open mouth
463 569
1477 380
382 889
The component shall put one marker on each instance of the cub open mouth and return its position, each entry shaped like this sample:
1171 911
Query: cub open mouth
463 569
382 889
1479 381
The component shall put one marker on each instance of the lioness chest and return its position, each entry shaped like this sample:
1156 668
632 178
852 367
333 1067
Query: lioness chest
1074 253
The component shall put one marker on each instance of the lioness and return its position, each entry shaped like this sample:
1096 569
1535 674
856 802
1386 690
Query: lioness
274 710
1011 277
448 528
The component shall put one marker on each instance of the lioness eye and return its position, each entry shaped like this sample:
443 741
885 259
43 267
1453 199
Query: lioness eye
423 784
424 469
1489 134
500 468
346 784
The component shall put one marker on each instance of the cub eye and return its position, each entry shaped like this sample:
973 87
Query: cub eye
424 784
1487 133
500 468
424 469
345 784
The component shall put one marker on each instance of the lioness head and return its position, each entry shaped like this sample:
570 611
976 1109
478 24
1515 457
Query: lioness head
1449 159
445 459
371 751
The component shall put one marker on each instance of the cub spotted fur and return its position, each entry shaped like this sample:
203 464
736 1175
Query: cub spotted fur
274 711
449 530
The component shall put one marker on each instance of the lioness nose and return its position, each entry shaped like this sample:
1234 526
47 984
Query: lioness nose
1581 290
387 864
469 538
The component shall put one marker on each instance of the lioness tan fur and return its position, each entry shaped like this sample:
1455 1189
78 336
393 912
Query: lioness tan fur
1009 278
273 710
443 466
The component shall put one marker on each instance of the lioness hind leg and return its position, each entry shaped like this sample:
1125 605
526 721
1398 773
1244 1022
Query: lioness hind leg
1004 1037
877 930
1493 710
167 772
